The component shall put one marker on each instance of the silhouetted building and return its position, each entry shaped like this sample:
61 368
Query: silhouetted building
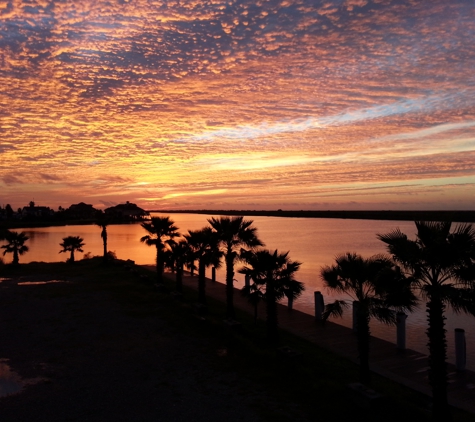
35 211
81 211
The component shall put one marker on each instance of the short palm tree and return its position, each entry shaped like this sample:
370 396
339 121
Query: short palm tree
255 293
16 244
373 284
161 233
204 246
272 272
102 221
441 267
234 234
180 255
72 244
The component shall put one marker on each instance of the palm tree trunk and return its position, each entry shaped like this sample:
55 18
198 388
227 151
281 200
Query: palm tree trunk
179 278
16 259
201 282
363 337
71 258
159 266
271 304
437 357
230 286
104 241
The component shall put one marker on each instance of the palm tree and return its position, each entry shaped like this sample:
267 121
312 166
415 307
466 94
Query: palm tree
373 284
162 232
234 233
72 244
255 294
274 272
16 244
204 246
180 255
441 266
102 220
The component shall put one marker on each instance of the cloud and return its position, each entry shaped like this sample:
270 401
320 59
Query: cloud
108 203
12 180
50 177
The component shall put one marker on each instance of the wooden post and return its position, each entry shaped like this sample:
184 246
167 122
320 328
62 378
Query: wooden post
290 303
356 304
460 349
319 305
401 330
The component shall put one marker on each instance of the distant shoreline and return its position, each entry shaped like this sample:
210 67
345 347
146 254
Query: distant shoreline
454 216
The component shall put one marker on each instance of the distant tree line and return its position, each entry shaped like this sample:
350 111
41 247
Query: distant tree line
79 213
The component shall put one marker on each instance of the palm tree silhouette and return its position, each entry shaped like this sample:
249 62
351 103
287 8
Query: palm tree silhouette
72 244
102 220
373 284
275 272
255 293
234 233
162 232
180 255
16 244
204 246
441 266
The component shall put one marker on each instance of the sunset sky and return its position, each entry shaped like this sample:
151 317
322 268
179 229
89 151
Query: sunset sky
238 104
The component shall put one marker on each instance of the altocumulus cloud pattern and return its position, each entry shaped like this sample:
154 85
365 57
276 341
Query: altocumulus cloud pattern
296 104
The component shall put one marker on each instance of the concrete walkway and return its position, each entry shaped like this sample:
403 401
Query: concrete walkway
408 367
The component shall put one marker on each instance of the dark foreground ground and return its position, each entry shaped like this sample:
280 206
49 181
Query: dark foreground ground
102 359
107 346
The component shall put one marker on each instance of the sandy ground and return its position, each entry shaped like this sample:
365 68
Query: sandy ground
96 362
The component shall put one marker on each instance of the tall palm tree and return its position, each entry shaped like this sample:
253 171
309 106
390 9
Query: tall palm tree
274 272
16 244
204 246
375 286
72 244
234 234
102 220
441 267
161 233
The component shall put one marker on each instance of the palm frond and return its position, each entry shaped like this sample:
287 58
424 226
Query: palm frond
383 314
334 309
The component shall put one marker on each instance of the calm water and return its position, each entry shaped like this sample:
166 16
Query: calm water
314 242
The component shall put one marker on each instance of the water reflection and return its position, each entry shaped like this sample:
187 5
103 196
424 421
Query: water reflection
36 234
10 382
34 283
